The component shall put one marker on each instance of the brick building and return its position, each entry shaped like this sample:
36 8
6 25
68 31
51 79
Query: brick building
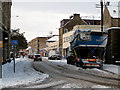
37 45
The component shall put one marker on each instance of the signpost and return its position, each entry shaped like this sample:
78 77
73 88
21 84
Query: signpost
14 43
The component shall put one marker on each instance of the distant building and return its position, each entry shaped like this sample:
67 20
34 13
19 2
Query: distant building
38 45
5 23
52 45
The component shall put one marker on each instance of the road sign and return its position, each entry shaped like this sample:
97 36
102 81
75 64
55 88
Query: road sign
14 42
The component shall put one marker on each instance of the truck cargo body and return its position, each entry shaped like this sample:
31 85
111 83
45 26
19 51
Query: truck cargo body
88 51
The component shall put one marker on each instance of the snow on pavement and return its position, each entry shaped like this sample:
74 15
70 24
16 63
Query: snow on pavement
112 68
100 86
24 74
72 85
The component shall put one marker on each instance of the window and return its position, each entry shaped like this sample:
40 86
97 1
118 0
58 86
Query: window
65 30
114 11
85 36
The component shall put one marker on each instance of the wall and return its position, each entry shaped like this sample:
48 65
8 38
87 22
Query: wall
53 45
107 20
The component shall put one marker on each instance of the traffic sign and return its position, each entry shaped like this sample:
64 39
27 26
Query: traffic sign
14 42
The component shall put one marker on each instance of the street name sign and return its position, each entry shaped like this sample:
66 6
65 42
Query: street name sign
14 42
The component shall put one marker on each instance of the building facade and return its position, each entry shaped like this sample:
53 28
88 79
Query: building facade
111 17
38 45
5 22
52 45
66 26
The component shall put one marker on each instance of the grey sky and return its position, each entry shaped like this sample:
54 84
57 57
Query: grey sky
39 18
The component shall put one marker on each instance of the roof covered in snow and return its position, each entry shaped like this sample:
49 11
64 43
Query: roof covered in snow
114 11
91 17
53 39
28 48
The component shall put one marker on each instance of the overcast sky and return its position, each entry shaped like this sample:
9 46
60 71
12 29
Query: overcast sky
38 17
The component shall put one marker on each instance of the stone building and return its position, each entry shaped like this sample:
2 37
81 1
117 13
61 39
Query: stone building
37 45
5 22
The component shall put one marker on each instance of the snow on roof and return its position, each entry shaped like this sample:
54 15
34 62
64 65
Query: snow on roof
55 38
28 48
114 11
91 18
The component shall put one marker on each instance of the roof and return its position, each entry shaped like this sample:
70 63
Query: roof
114 11
28 48
91 18
53 39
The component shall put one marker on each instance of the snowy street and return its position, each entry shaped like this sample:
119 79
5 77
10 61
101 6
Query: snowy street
71 76
24 75
57 74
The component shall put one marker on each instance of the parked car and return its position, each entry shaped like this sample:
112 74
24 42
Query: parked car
55 57
37 57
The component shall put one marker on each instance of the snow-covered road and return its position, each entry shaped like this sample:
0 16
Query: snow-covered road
115 69
24 75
